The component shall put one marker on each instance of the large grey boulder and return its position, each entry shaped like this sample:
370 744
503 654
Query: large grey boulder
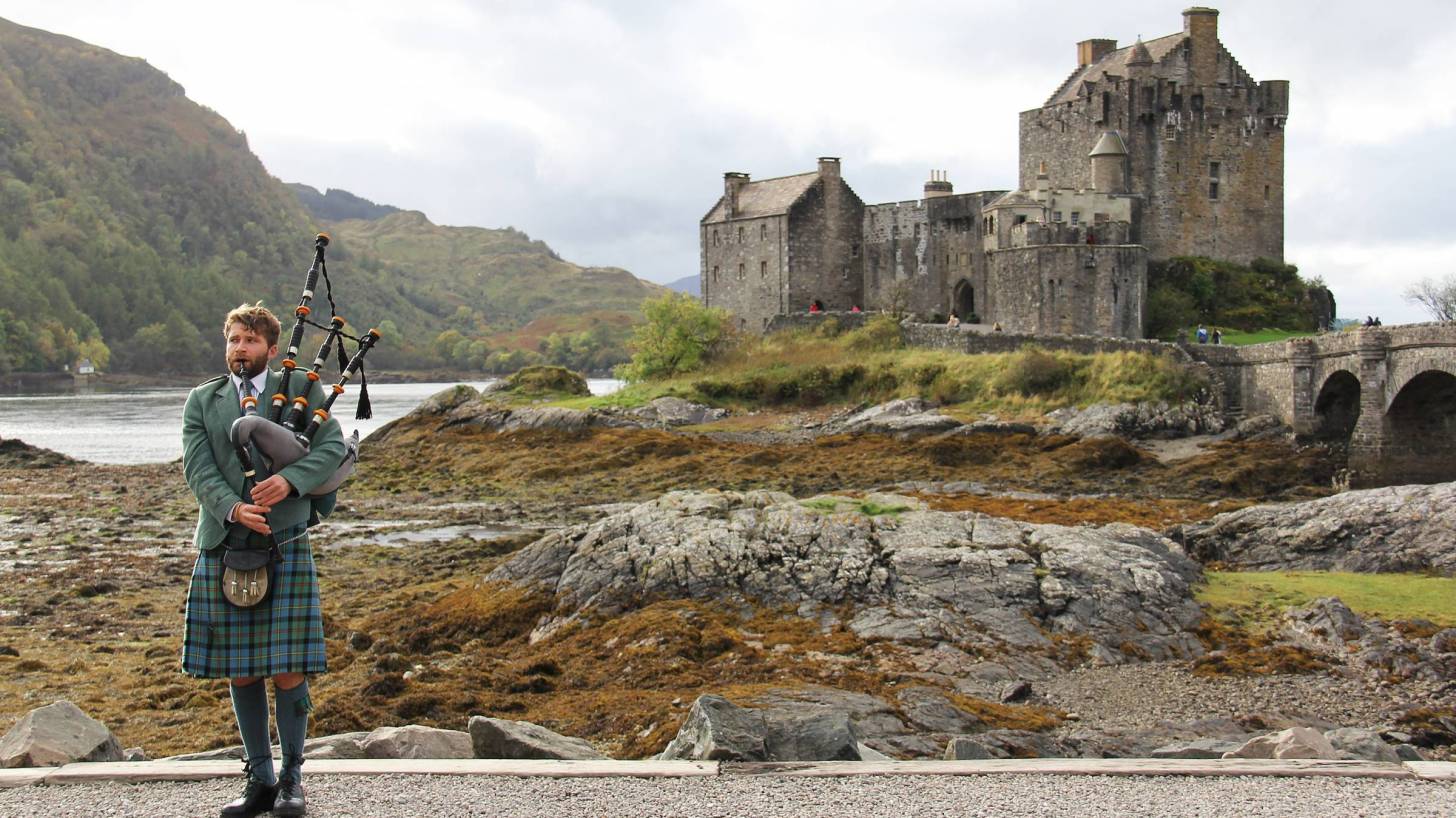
417 741
917 576
671 411
1391 529
1359 744
1295 742
904 417
56 734
503 738
1136 420
965 748
718 730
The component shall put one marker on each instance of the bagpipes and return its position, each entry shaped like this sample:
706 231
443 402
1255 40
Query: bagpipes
249 557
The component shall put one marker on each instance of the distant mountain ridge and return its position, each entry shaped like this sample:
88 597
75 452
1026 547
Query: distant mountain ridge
132 219
686 284
335 204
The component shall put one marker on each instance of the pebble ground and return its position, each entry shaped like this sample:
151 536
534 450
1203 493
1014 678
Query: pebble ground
1004 796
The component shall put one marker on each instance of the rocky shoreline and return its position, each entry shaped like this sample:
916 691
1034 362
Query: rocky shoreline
534 565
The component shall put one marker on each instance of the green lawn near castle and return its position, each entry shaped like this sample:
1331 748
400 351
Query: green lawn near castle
1262 596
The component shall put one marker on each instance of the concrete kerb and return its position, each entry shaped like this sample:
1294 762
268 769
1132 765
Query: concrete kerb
142 771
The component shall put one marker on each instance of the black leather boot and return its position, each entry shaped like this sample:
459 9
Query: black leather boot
257 797
289 803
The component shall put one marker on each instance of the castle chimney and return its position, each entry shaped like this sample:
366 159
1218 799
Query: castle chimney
1090 51
1201 26
938 185
732 183
829 167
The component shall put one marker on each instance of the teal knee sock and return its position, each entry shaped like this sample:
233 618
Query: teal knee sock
250 705
293 706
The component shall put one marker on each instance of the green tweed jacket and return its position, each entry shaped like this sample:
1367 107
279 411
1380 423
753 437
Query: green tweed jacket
215 474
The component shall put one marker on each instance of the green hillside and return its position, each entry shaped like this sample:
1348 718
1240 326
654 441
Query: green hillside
132 218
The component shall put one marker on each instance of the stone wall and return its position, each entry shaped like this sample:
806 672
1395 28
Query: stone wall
973 341
1066 289
896 262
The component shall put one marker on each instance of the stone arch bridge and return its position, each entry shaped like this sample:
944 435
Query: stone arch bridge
1389 391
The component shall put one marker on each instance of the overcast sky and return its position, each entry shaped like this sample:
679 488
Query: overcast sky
604 128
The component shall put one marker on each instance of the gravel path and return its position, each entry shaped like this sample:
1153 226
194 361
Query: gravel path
1141 696
1007 796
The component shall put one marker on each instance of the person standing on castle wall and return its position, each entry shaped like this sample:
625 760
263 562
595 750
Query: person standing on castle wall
1201 334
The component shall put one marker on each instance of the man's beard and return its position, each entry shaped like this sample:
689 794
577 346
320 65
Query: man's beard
251 367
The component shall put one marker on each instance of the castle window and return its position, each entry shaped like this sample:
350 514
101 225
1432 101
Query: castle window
1076 217
1056 215
740 272
917 232
844 273
1213 190
854 250
740 235
1114 293
1021 219
763 232
1266 193
1106 107
715 274
716 241
1213 169
763 269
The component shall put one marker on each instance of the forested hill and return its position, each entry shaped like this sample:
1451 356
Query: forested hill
335 204
132 219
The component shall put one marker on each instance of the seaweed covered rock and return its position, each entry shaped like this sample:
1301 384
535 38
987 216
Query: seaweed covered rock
1391 529
913 576
541 381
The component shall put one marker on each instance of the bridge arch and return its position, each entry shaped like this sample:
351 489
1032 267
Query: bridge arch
1420 428
1337 407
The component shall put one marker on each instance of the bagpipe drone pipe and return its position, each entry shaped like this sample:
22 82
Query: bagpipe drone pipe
280 436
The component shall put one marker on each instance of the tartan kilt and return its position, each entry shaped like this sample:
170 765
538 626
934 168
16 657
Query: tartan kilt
283 635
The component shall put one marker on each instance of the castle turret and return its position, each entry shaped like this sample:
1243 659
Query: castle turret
1201 24
938 185
1109 164
732 183
1140 57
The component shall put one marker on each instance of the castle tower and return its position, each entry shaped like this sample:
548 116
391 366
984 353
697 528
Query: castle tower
1201 26
1109 164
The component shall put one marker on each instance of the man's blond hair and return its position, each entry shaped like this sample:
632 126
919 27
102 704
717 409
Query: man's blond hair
257 318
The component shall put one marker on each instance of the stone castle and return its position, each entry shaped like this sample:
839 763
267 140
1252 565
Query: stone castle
1163 148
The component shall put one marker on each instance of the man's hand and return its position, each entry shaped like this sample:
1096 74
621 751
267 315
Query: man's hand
272 491
253 517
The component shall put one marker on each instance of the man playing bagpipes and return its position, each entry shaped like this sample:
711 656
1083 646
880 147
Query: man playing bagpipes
253 605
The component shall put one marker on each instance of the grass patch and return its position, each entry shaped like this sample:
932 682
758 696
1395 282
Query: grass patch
1263 596
806 368
869 508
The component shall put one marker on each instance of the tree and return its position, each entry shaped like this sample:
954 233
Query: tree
1437 297
678 336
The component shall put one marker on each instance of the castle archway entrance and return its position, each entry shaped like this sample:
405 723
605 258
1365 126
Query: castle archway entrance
1420 430
1337 407
963 299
